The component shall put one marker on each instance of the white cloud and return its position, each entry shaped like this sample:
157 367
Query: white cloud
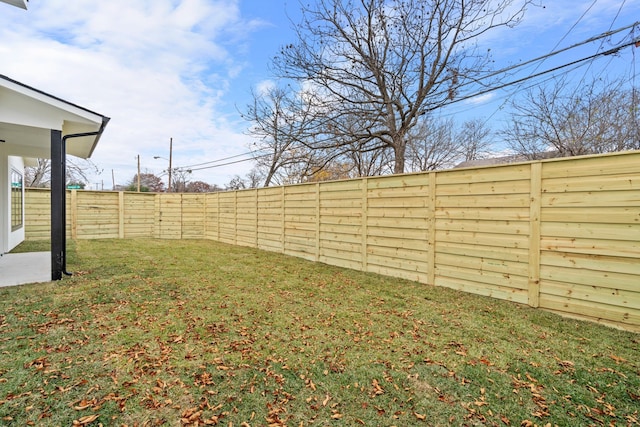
263 87
481 99
158 68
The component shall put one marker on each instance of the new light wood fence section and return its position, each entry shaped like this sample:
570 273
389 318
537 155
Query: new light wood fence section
563 235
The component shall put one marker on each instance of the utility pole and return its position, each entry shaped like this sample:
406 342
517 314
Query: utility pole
138 173
113 180
170 157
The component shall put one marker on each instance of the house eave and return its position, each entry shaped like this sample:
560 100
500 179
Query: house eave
22 4
29 114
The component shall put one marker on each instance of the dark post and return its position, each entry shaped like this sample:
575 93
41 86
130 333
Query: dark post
58 205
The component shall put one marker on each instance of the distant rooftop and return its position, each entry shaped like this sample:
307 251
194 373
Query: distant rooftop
515 158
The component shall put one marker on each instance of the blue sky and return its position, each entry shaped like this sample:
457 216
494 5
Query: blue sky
180 69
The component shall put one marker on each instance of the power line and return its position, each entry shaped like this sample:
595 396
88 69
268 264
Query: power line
544 57
232 163
502 86
508 96
602 44
218 160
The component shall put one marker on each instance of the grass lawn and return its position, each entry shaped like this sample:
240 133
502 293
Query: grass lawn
151 332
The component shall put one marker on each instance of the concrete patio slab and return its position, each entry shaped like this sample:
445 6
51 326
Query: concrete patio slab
23 268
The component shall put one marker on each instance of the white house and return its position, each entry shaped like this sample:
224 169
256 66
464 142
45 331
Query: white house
34 124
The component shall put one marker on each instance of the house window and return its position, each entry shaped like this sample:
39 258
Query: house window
16 200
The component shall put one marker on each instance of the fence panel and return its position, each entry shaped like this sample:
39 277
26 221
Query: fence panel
247 218
169 216
94 215
193 216
270 219
212 211
482 231
341 223
590 238
300 221
227 217
37 214
398 221
139 215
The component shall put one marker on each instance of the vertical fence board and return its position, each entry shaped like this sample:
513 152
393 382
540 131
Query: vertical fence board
534 235
431 237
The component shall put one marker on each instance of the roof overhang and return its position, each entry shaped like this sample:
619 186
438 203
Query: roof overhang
22 4
28 115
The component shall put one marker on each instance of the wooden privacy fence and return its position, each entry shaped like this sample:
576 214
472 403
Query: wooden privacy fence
561 234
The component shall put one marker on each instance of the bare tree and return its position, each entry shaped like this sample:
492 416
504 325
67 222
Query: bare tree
432 145
595 118
201 187
474 139
381 64
148 182
236 183
279 119
39 176
370 163
180 180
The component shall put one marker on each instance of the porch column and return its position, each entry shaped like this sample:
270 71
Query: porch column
58 205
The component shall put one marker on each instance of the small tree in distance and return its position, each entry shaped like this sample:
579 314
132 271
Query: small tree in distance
598 117
148 183
201 187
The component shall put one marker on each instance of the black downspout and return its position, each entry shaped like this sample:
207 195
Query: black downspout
59 201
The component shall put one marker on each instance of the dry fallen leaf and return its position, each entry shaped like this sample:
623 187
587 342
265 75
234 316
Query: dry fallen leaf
326 400
617 359
85 420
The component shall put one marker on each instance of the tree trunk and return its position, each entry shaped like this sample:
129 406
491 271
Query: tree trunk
399 150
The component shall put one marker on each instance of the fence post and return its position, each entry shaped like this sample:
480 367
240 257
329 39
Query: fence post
431 230
218 214
74 214
235 217
121 214
364 218
256 205
534 234
205 218
317 222
283 221
157 229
